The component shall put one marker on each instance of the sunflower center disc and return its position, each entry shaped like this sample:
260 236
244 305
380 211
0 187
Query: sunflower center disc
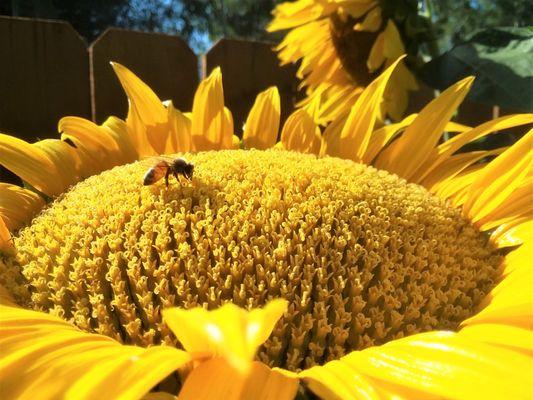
362 256
353 48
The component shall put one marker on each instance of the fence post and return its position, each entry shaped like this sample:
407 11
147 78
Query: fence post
163 62
44 75
247 69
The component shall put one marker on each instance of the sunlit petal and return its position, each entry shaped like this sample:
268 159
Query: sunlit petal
300 133
424 133
17 205
48 358
228 331
31 164
216 378
355 135
499 179
262 125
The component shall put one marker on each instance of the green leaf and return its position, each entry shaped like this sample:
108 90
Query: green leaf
502 61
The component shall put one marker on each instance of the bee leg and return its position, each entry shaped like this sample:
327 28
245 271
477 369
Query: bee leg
177 176
167 174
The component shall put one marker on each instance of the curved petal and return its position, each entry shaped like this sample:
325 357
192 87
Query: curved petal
454 166
500 335
442 365
31 164
229 331
510 302
117 129
381 137
300 133
424 133
65 158
355 135
18 205
209 120
499 179
224 382
45 357
262 125
371 22
338 380
95 146
180 140
449 147
514 207
513 233
145 111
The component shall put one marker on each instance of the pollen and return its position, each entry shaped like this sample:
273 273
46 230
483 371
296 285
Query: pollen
362 256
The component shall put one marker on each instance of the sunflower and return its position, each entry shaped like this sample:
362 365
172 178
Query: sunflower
357 262
342 45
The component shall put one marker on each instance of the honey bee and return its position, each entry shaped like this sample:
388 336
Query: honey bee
164 168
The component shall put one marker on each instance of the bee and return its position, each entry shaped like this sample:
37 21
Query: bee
164 168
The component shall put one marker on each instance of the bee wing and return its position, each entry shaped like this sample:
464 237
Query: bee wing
153 160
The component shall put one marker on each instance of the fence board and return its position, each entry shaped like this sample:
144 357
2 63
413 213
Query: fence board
44 75
247 69
164 62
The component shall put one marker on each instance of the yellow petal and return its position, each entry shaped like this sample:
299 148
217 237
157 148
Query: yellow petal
338 380
45 357
393 47
6 242
147 116
499 179
355 135
229 332
444 365
376 58
381 137
513 233
372 21
424 133
216 379
517 205
209 120
180 139
500 335
227 130
31 164
449 147
117 129
510 302
455 165
262 125
288 15
95 145
65 158
300 133
17 205
450 188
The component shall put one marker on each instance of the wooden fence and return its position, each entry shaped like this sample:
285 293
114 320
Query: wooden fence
48 71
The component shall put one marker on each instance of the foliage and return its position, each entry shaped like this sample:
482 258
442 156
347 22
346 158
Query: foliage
502 61
457 20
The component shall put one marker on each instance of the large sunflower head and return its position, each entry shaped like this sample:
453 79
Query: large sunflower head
353 262
342 46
